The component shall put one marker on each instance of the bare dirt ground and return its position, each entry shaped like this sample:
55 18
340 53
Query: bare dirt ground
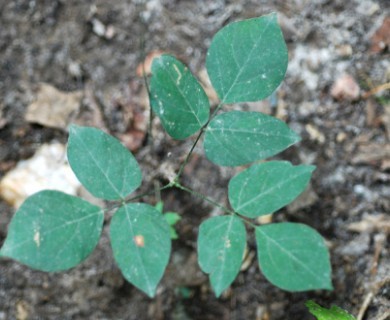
95 47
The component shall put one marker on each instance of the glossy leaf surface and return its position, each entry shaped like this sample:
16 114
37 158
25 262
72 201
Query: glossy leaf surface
247 60
266 187
140 239
177 98
293 256
236 138
53 231
102 164
221 245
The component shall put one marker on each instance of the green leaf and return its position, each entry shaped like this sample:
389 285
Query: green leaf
266 187
177 98
141 244
247 60
172 218
237 138
53 231
334 313
102 164
159 206
293 257
221 245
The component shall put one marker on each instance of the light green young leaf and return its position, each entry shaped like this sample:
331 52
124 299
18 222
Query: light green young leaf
159 206
102 164
334 313
247 60
53 231
293 257
172 218
221 245
177 98
236 138
266 187
141 244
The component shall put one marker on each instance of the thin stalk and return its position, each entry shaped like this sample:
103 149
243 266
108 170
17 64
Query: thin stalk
139 196
187 159
145 78
203 197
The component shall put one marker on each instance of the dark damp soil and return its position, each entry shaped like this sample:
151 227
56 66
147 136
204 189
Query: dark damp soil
59 43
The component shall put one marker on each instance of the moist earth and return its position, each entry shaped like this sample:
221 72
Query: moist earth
331 96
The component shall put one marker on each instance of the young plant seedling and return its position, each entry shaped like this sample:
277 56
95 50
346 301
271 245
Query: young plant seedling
334 313
171 217
246 61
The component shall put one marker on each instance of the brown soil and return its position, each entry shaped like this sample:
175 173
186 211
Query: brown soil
58 42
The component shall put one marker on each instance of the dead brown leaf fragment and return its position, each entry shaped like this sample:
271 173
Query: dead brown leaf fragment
345 88
145 67
381 38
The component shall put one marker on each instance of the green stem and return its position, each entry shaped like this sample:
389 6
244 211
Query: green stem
203 197
145 78
118 204
187 159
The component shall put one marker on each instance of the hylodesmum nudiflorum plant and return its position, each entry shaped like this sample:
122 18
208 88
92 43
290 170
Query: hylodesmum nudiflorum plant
246 61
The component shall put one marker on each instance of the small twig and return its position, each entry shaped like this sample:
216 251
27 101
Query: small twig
187 158
376 90
385 316
365 305
203 197
374 288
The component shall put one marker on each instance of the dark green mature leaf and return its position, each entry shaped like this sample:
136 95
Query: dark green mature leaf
334 313
293 256
53 231
237 138
221 245
177 98
141 243
247 60
266 187
102 164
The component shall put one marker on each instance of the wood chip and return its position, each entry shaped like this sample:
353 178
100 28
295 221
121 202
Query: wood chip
371 223
372 154
53 108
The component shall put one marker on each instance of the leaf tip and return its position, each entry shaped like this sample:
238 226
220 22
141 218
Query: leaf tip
73 127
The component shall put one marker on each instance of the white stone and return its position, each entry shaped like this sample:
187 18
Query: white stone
47 169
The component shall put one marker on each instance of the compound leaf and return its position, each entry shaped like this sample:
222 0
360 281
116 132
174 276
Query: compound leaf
177 98
334 313
236 138
266 187
293 257
247 60
53 231
221 245
140 239
102 164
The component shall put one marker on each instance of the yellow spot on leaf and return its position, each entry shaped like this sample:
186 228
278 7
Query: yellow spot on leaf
37 238
139 241
178 74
